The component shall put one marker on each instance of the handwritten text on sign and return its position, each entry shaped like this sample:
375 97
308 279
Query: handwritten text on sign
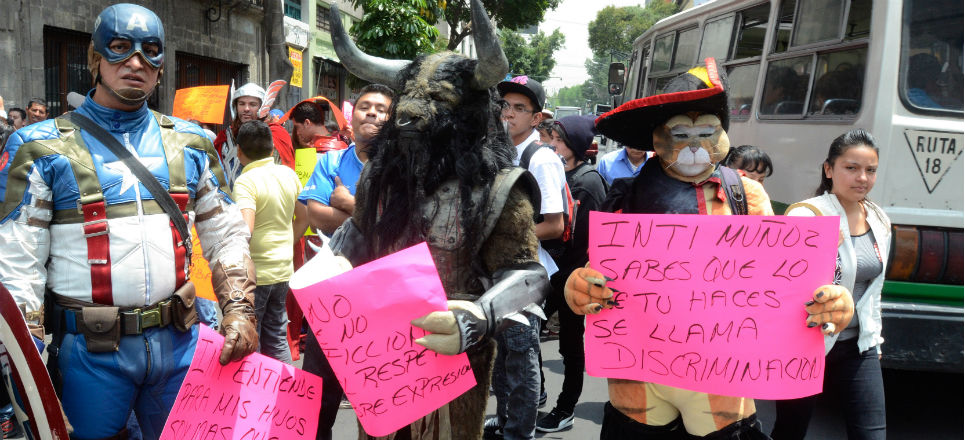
254 398
362 321
711 303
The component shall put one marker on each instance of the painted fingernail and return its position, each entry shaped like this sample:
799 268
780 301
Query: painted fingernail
616 290
825 326
597 308
608 278
613 303
820 294
812 324
809 303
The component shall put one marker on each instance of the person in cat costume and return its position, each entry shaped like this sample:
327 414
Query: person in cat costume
686 128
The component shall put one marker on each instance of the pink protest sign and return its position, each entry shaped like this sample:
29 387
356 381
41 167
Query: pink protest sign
362 321
255 398
711 303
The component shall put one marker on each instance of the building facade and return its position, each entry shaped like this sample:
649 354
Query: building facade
44 45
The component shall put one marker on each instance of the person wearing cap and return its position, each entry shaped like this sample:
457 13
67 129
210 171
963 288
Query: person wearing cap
79 233
247 101
516 371
686 127
572 136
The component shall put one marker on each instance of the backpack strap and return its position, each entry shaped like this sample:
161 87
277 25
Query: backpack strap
734 189
528 154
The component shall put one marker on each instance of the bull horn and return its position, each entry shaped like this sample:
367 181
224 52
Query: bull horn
492 66
370 68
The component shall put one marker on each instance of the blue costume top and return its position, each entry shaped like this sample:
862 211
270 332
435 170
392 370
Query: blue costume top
47 173
342 163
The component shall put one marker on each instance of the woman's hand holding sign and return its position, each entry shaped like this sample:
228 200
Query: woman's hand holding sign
586 292
831 307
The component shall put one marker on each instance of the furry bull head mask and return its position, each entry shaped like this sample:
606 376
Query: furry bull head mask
444 125
685 125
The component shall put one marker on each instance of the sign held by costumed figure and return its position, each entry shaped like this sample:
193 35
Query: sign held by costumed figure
711 303
362 321
255 397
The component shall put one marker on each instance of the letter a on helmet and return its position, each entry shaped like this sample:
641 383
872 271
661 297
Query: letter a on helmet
133 23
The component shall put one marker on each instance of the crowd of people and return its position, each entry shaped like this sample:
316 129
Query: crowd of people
93 249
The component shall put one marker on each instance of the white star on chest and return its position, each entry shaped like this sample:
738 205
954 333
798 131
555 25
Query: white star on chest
128 178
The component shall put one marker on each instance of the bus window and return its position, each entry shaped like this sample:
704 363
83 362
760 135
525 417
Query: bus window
686 49
931 56
750 36
786 86
837 90
742 81
644 61
659 83
818 20
784 24
662 52
716 39
859 20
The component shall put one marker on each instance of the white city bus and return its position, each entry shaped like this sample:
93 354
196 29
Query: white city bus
802 72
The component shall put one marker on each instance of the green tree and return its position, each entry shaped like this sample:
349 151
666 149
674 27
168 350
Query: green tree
508 14
535 58
611 40
398 29
570 96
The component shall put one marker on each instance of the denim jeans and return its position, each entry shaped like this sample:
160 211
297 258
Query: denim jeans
854 379
273 321
516 379
207 312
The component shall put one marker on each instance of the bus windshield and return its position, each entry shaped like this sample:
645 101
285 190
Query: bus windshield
931 56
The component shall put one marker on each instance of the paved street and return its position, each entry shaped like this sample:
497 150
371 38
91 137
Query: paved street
920 406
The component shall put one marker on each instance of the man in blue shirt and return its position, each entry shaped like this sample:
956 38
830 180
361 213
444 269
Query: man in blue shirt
330 191
625 162
330 196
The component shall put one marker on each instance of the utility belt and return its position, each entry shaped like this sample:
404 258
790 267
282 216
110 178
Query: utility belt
103 326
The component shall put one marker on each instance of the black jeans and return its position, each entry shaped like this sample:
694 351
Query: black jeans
571 344
316 363
853 379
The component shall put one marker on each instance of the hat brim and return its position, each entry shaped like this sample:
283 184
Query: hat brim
632 123
510 87
319 101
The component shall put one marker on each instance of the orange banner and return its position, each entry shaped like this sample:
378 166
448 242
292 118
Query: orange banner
200 272
204 103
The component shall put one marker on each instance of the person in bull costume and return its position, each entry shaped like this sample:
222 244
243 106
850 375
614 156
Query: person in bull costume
441 171
686 127
94 225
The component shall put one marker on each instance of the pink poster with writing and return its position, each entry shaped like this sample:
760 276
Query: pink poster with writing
254 398
711 303
362 321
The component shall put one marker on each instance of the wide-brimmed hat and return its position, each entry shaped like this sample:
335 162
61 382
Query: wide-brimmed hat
700 89
318 101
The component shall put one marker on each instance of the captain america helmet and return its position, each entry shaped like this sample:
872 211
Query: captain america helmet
133 23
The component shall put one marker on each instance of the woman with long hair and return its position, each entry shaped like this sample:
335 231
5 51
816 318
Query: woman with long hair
852 369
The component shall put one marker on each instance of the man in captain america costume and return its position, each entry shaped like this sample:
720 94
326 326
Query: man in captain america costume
87 248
